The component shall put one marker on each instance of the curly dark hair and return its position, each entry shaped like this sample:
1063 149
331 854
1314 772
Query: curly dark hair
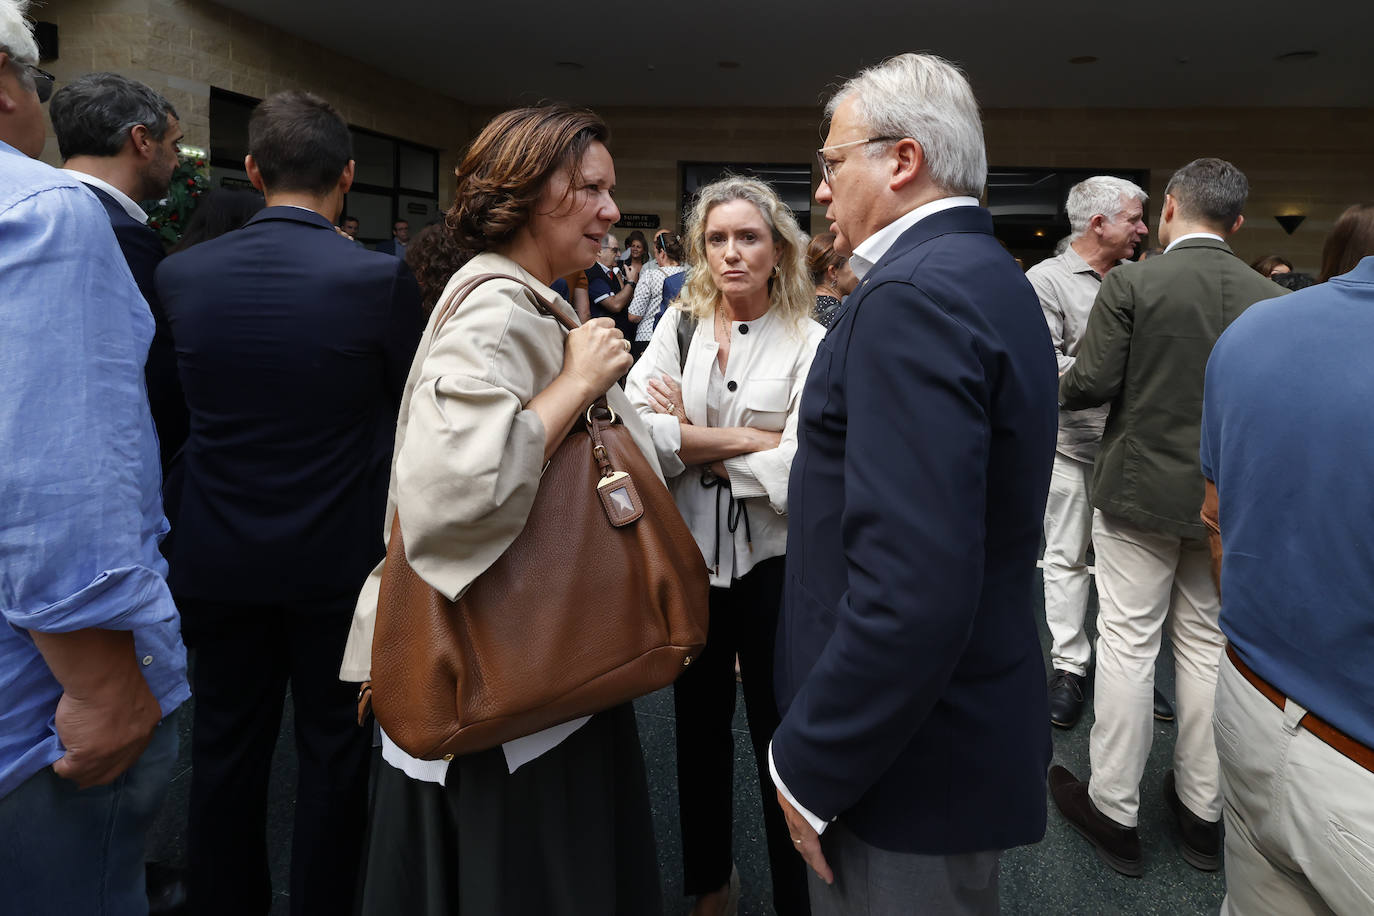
506 168
434 257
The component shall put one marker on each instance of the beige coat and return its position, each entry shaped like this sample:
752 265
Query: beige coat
469 452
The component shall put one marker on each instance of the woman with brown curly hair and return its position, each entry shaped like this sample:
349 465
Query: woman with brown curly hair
555 822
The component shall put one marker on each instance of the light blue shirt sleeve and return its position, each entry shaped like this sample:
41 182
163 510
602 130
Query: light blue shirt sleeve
80 490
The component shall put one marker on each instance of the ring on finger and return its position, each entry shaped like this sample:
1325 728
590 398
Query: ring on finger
626 344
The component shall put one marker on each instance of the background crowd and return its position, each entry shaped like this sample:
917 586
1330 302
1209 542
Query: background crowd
861 430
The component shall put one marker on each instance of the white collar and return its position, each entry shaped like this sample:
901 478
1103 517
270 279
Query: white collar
871 250
130 205
1195 235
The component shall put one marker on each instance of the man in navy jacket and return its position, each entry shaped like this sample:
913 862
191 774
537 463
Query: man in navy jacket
915 734
121 138
293 346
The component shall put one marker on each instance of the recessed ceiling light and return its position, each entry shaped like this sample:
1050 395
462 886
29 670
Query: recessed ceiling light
728 64
1083 59
568 65
1296 55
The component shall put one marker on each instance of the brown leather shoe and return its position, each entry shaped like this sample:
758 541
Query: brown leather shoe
1200 841
1116 845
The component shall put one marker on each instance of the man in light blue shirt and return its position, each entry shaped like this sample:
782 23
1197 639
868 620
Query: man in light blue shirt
91 658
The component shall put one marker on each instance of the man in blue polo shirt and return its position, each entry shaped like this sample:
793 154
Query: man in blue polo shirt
1287 446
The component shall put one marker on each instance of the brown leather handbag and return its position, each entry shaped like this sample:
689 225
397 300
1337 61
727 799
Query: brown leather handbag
601 598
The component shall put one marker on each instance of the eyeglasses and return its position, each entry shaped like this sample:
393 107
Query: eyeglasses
612 247
42 80
828 168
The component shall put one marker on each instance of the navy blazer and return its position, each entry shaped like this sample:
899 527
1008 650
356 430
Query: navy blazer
909 670
599 285
143 251
293 346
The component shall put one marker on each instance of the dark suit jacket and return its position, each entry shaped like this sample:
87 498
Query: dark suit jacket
599 284
293 346
1145 351
909 670
389 247
143 251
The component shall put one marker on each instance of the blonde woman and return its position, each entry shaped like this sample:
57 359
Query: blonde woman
720 386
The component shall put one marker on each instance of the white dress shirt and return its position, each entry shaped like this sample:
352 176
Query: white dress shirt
871 250
130 205
867 254
1195 235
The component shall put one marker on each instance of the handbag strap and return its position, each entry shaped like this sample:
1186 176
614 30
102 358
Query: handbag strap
456 298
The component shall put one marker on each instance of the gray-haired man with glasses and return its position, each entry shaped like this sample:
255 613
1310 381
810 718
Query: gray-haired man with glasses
914 740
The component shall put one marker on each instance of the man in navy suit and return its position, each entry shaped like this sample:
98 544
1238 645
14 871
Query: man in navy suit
400 238
611 298
914 736
121 139
293 346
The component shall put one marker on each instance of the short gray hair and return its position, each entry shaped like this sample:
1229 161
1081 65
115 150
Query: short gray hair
1100 194
16 32
93 114
1210 191
928 99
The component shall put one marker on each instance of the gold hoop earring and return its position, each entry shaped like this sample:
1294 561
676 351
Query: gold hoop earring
777 271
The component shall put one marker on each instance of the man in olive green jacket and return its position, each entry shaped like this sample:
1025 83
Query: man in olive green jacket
1145 352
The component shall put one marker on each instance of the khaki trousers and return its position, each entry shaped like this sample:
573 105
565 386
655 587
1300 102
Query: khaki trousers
1299 814
1147 580
1068 532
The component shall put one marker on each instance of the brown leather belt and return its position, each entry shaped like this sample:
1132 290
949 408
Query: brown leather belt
1324 732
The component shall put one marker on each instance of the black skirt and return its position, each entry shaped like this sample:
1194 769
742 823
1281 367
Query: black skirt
567 833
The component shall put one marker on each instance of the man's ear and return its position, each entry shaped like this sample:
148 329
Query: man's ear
254 176
911 160
1236 228
1166 215
346 179
8 103
142 142
1095 224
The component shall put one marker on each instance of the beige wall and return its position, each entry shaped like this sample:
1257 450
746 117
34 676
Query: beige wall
1312 161
183 47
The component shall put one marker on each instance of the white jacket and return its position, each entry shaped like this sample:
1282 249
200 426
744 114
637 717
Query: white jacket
769 361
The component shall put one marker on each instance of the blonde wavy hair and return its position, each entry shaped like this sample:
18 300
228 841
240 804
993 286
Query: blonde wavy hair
790 292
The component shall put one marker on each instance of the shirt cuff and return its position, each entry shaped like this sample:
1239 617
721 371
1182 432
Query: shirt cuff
816 823
743 482
666 432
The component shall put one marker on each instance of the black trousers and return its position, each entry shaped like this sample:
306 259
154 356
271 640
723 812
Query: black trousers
245 655
744 620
